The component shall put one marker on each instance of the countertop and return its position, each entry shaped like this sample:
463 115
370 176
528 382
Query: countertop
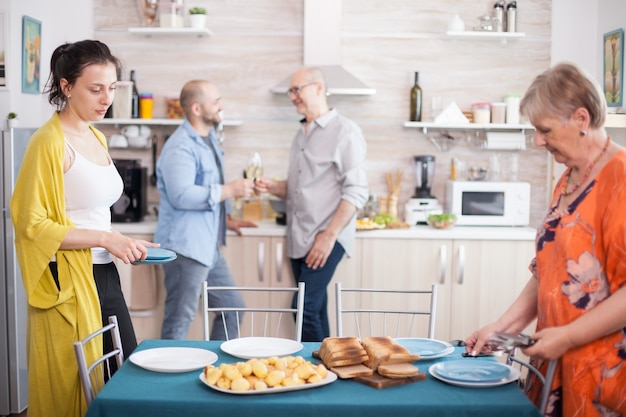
269 228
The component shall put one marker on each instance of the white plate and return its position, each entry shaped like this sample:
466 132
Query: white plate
513 375
330 378
173 359
260 347
426 348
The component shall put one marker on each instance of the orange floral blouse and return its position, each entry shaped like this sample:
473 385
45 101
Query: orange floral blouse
580 261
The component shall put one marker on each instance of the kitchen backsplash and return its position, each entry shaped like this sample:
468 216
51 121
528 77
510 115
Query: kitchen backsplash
256 44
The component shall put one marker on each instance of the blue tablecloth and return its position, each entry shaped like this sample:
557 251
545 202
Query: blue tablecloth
134 391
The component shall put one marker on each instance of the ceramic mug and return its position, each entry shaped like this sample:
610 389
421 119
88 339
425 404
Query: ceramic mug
118 141
138 136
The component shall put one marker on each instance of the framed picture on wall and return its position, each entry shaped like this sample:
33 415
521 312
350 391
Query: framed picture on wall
4 45
613 48
31 55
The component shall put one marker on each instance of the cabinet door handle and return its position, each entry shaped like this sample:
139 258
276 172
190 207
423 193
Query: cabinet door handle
443 255
461 264
261 260
279 261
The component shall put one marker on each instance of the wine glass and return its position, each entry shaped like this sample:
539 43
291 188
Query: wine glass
254 169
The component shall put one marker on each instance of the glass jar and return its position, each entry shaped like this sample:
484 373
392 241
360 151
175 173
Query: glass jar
171 15
481 113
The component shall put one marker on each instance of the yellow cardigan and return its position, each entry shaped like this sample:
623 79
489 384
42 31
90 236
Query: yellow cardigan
56 318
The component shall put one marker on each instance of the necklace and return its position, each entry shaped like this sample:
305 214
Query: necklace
565 193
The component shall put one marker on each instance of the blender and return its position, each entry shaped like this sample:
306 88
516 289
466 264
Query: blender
423 204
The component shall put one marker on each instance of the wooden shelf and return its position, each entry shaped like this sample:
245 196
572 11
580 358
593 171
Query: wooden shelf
157 31
156 122
481 35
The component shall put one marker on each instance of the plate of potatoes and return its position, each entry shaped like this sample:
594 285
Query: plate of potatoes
266 375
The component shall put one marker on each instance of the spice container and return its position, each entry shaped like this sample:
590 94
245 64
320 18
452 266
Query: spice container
512 108
498 112
122 103
171 15
511 17
174 109
481 113
146 104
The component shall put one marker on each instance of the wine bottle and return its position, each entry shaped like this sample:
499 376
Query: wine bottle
135 97
416 101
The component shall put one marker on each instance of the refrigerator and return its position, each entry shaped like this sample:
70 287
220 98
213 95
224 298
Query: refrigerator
13 373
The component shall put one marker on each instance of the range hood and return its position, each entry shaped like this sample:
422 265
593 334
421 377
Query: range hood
322 48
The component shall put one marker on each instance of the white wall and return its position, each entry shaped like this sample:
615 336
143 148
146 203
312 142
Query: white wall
66 21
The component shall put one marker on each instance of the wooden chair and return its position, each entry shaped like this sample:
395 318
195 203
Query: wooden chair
386 312
93 376
267 316
546 380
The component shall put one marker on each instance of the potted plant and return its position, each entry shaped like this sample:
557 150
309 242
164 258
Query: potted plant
197 17
11 120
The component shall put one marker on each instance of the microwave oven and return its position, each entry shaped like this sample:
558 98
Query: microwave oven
487 203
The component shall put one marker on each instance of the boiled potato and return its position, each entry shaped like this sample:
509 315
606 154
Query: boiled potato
240 384
275 378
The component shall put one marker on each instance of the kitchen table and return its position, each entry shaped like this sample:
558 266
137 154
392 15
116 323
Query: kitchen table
135 391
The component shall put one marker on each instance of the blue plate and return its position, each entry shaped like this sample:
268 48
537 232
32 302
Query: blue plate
158 253
472 370
426 348
157 256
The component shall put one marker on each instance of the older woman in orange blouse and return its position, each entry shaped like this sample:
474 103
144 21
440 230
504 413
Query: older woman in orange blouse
577 291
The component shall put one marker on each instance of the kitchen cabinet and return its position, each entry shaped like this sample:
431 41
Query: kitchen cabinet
477 279
262 261
486 277
410 264
259 261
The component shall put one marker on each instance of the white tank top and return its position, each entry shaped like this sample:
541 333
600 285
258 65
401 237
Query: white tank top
90 191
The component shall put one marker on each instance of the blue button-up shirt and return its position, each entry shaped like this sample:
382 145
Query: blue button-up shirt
189 183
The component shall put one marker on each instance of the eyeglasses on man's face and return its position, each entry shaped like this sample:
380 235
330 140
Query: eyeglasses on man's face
296 90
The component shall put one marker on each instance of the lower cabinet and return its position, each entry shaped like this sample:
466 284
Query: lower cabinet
477 279
262 261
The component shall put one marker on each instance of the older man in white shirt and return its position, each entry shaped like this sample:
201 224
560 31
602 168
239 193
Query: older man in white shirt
326 185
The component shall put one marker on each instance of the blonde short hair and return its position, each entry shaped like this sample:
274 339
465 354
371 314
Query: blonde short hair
559 91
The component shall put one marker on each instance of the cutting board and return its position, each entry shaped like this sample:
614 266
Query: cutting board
380 382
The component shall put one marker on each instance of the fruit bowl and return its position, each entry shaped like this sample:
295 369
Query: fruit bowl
441 221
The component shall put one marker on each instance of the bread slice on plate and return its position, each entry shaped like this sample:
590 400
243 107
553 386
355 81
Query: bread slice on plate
398 370
384 349
342 351
352 371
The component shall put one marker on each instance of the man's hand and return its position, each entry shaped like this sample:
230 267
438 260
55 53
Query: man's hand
322 247
236 225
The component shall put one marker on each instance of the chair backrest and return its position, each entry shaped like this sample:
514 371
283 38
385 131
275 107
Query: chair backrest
93 376
365 312
546 380
268 313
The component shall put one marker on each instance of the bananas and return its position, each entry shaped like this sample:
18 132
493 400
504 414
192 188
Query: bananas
267 373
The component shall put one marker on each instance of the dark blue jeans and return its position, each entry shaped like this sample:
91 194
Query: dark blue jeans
315 322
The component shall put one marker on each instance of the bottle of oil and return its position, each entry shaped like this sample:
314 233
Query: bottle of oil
416 101
135 97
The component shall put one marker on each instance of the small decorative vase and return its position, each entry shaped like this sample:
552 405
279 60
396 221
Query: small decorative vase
197 21
11 123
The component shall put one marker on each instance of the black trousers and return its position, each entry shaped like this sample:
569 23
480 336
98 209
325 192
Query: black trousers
112 302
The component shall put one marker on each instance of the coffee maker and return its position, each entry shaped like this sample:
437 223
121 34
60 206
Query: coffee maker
423 204
133 203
